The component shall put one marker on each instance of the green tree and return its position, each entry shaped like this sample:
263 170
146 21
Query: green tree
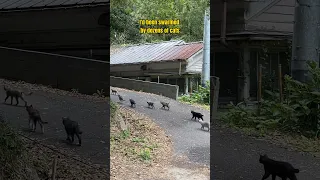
125 16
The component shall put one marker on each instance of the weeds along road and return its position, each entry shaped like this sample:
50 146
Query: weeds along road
234 155
92 117
188 138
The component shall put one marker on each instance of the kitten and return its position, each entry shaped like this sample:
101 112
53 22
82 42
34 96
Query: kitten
150 105
281 169
132 102
34 117
164 105
72 128
196 115
204 124
113 92
15 94
120 98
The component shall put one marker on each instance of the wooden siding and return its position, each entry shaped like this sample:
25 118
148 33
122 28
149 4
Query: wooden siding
235 16
278 18
263 16
76 28
195 63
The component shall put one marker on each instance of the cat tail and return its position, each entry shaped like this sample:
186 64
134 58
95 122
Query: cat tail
296 170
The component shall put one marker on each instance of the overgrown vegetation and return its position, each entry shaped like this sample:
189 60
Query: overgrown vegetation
99 93
200 96
113 109
135 143
298 113
11 153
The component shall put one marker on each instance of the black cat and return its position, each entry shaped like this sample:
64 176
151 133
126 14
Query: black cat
196 115
132 102
281 169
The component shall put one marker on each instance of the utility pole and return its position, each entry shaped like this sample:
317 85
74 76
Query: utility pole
206 50
306 38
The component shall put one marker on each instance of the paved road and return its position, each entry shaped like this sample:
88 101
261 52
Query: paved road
187 136
234 156
92 117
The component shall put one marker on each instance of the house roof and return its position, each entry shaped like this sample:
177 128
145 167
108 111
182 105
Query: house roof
164 51
181 52
22 5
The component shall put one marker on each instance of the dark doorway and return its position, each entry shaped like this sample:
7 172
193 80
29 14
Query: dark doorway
226 68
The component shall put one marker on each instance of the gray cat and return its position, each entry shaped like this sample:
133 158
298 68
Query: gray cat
204 124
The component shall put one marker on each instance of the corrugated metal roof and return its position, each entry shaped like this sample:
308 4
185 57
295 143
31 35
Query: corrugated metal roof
142 53
165 51
6 5
183 52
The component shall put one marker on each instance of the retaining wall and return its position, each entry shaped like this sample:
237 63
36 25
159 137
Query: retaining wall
59 72
167 90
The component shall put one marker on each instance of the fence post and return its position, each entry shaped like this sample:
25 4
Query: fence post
54 168
259 87
214 96
280 82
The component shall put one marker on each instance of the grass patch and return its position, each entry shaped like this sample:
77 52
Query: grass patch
11 153
145 154
133 151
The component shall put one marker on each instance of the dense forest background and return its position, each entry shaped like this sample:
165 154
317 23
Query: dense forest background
125 16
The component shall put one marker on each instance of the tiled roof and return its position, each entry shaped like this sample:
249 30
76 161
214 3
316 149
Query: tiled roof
164 51
8 5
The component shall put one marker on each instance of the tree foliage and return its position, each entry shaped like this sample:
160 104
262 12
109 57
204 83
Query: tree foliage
125 16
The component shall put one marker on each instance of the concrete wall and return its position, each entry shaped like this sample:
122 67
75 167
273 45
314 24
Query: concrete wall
59 72
167 90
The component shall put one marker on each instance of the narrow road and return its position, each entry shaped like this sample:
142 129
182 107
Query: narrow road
189 140
92 117
234 156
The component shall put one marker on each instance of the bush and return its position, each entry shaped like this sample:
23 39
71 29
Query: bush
298 113
202 96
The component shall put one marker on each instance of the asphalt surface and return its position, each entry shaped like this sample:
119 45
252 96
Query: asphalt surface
189 140
92 117
234 155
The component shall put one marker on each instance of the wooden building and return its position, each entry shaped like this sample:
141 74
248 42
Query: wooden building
246 34
70 27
